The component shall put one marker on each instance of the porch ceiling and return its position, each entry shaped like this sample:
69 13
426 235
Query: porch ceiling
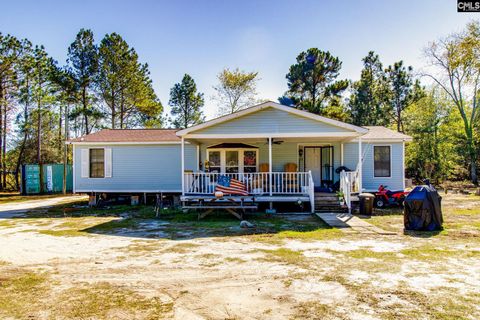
265 140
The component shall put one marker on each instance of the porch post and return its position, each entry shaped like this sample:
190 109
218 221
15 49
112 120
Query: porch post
270 164
360 164
341 154
183 166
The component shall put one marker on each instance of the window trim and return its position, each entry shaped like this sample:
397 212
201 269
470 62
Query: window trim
373 160
90 163
240 157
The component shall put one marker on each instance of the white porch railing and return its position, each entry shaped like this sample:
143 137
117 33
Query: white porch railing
258 183
349 183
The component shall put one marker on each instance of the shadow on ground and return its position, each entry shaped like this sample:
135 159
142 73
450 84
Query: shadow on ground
141 222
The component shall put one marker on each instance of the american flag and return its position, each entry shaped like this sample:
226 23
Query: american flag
229 185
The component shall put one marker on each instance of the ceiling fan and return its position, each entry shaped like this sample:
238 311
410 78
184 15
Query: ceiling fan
275 142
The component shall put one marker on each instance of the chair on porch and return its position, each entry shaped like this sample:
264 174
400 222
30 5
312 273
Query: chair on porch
260 184
290 182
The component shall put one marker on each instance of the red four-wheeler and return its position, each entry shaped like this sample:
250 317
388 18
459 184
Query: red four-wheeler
385 197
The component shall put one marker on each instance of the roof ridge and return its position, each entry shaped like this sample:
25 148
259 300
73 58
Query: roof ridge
131 129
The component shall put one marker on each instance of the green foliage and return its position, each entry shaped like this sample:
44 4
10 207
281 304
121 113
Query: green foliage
368 98
402 91
236 90
434 152
186 103
125 85
455 68
312 80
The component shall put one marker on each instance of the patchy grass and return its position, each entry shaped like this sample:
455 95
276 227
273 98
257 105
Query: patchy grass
64 233
461 215
316 310
182 247
465 211
21 293
283 255
434 253
17 197
107 301
402 302
235 260
112 225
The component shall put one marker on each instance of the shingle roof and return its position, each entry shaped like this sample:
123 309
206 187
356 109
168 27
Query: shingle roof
169 135
382 133
130 135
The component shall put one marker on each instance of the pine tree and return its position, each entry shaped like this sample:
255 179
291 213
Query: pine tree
403 91
186 103
312 80
368 99
125 86
83 66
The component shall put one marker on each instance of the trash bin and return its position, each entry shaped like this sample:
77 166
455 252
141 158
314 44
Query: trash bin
423 209
366 203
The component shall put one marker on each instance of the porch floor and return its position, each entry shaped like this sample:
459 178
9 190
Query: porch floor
251 198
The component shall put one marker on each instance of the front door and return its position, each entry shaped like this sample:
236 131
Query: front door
319 160
312 163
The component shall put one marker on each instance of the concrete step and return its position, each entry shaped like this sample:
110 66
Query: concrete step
324 194
326 198
329 203
337 210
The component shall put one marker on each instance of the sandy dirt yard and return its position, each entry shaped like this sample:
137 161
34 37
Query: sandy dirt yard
72 262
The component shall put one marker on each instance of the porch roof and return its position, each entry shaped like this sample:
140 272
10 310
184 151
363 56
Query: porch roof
284 123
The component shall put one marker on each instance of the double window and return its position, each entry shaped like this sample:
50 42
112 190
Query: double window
232 160
382 161
97 163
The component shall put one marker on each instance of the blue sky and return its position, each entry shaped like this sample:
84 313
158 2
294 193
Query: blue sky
202 37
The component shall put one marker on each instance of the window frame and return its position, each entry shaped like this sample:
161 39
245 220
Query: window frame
240 152
390 158
90 163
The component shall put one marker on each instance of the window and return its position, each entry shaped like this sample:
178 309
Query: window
382 161
97 163
249 161
214 161
232 160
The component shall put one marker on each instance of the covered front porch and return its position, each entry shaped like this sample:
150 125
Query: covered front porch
279 153
273 169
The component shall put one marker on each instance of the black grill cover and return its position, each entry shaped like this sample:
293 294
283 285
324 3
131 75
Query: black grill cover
423 209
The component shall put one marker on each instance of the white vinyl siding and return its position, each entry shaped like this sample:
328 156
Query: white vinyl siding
271 121
138 168
369 181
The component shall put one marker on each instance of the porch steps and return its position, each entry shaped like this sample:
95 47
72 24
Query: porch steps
327 202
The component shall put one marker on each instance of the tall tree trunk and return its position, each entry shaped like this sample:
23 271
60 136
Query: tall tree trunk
85 109
39 138
2 169
60 128
25 135
122 109
4 152
65 152
19 161
39 131
473 156
114 111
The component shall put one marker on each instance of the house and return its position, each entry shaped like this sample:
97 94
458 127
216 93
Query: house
282 154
